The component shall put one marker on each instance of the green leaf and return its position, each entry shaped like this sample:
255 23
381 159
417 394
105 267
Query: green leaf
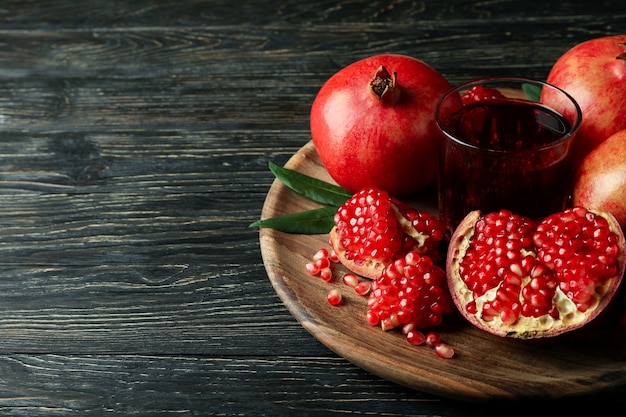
532 91
309 222
312 188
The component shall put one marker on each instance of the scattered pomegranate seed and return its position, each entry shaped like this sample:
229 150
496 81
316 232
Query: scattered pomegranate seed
326 274
334 297
415 337
433 339
320 265
321 254
444 350
333 256
350 280
312 268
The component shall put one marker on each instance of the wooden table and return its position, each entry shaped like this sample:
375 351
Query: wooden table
134 147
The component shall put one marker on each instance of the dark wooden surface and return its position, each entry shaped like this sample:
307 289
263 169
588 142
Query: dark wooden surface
134 142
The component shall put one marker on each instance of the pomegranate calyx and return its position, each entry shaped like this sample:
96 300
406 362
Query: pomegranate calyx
384 85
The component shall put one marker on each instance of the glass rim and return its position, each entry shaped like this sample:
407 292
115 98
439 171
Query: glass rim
511 80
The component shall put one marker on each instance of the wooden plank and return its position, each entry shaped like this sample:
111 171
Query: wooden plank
50 385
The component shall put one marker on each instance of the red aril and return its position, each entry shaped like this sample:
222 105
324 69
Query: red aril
372 124
479 93
444 350
350 280
594 73
415 337
334 297
432 339
516 277
363 288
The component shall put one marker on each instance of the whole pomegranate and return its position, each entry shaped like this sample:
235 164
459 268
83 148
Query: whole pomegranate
601 178
594 73
516 277
372 124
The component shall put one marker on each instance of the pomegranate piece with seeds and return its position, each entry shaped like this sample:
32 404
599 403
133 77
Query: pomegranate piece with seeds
372 229
516 277
411 291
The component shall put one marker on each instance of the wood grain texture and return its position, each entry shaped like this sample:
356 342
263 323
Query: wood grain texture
134 143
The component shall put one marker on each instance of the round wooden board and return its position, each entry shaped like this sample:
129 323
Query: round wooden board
587 361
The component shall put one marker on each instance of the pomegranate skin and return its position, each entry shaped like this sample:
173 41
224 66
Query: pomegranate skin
601 178
594 73
389 142
570 318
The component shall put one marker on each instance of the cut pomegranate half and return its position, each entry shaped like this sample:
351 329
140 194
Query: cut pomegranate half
512 276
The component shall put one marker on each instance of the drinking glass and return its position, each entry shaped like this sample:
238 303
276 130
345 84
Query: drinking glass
502 148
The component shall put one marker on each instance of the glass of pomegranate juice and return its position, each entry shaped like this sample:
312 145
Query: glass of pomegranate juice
503 149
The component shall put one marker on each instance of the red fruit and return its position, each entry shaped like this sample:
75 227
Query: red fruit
594 73
372 124
372 229
479 93
512 276
601 179
411 291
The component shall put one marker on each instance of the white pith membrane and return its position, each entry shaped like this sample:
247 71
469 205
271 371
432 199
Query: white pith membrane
407 226
570 317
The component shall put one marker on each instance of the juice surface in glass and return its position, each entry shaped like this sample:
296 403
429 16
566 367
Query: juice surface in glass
504 154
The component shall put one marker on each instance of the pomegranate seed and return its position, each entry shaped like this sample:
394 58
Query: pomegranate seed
479 92
334 297
312 268
363 288
432 339
326 274
321 254
444 350
350 280
333 256
407 328
415 337
322 263
372 318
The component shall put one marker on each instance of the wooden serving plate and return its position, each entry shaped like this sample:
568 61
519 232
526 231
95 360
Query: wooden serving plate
586 361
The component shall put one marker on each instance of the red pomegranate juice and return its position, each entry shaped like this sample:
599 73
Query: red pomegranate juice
512 157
